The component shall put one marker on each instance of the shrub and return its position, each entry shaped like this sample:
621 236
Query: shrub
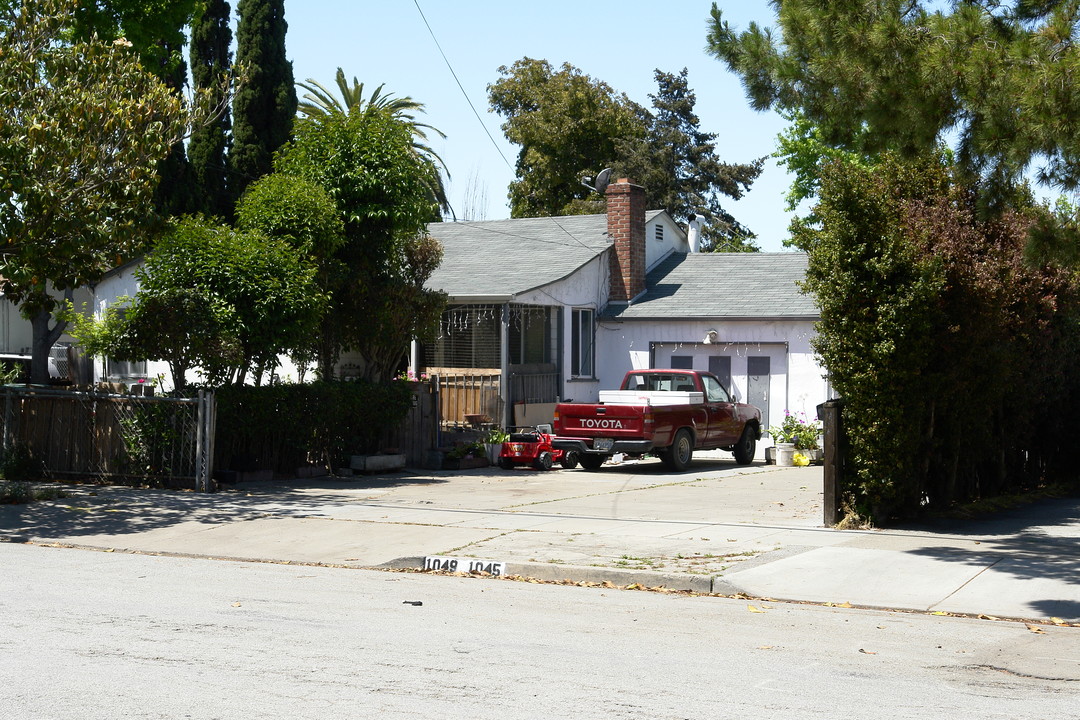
286 426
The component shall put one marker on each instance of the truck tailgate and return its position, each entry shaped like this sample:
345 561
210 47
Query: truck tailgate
613 421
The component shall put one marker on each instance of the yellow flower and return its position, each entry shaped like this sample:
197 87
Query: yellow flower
800 460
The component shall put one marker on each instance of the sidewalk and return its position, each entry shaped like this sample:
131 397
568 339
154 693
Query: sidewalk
715 528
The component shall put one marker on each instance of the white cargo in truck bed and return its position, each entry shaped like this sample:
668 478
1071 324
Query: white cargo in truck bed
650 397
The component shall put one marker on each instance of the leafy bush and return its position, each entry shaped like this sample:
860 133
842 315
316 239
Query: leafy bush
19 465
286 426
953 354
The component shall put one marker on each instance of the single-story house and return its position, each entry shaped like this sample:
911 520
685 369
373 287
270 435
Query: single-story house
558 308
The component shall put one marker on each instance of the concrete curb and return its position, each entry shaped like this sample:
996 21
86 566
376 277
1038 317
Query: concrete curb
705 584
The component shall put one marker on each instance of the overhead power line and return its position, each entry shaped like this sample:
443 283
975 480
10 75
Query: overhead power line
451 69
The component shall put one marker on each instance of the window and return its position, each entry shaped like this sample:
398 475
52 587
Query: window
682 362
659 232
714 392
126 370
581 342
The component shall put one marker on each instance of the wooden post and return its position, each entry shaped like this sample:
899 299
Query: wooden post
829 413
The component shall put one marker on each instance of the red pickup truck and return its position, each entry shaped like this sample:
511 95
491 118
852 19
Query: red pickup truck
667 413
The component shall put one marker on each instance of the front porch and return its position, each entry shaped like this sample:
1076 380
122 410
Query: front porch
494 364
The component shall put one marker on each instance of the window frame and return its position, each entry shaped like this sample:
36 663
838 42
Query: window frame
582 343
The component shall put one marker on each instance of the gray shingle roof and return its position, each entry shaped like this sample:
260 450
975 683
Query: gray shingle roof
501 258
718 285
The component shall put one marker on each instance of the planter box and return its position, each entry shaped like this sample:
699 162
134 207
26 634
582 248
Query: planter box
377 463
464 463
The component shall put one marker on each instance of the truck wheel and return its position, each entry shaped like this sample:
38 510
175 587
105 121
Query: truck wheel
678 456
569 459
744 449
543 461
506 463
591 462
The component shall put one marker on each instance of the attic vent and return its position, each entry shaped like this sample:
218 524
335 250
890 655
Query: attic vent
659 232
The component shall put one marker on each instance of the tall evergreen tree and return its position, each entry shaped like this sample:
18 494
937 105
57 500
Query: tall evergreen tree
678 166
994 79
211 60
264 108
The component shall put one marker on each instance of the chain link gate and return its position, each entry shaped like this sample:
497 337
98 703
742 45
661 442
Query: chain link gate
162 441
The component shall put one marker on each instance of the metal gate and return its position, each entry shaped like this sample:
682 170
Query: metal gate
162 441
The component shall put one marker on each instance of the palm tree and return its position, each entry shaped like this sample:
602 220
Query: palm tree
320 102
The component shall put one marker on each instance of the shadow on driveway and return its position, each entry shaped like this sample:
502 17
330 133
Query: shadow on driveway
110 510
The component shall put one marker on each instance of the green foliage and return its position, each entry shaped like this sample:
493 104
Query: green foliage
265 105
567 125
82 127
151 434
678 166
320 102
211 62
375 279
906 76
293 209
251 290
154 29
290 425
797 430
951 353
18 465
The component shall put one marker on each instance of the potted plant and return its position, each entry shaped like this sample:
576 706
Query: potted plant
795 433
493 441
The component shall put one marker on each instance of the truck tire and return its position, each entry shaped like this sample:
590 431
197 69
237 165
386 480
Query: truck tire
543 461
747 445
506 463
569 459
678 456
591 462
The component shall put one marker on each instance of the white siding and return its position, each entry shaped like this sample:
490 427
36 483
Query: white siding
797 382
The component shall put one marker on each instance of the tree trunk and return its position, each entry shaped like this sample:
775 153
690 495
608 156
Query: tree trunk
44 338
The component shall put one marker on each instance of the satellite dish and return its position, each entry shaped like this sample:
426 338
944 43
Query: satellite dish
602 180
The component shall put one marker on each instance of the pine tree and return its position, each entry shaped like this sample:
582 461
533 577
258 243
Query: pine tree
265 105
211 59
995 80
678 166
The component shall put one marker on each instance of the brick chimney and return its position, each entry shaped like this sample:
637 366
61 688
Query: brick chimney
626 226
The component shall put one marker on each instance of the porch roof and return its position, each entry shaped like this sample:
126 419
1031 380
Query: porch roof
495 260
722 285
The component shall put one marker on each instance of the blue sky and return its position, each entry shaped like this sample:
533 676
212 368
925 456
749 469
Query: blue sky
621 43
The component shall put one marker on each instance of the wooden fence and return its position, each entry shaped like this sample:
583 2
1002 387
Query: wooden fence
468 396
161 441
419 432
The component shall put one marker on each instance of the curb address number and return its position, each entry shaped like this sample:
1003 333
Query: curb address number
467 565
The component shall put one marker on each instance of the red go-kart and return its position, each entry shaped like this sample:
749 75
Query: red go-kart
532 446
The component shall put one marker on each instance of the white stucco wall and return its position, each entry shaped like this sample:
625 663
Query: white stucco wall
672 238
796 381
15 331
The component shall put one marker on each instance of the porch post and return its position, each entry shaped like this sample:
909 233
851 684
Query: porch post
504 368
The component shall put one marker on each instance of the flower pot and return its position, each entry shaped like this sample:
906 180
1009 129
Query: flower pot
784 454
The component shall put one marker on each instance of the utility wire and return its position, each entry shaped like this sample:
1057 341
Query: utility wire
449 67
